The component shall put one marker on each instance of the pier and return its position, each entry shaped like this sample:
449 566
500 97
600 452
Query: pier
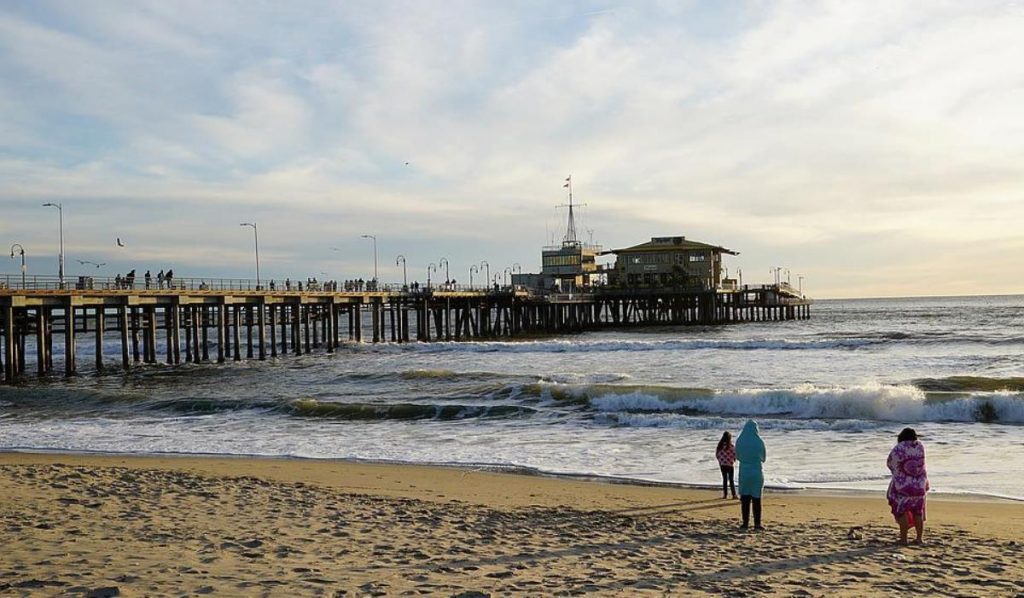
202 321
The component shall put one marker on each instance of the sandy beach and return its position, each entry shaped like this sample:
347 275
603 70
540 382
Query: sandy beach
134 526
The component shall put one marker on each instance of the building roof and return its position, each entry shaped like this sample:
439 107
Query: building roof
657 244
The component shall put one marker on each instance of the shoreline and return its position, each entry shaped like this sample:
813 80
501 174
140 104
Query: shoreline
521 471
173 524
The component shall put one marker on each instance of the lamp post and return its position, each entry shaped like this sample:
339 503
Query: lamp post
23 268
429 268
405 279
256 240
800 280
516 266
60 258
487 269
787 276
495 279
374 237
507 271
444 261
739 272
472 269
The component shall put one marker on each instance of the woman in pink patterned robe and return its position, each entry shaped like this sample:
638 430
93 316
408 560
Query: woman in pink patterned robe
909 484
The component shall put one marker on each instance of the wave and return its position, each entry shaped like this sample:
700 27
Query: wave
426 374
402 411
590 346
870 402
970 383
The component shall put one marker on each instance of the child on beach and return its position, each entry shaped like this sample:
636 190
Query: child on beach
726 455
909 484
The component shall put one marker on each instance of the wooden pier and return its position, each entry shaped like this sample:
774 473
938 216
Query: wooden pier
189 324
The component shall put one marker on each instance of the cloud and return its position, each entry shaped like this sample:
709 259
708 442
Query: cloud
785 130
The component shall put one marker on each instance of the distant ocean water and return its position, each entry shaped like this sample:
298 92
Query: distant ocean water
830 394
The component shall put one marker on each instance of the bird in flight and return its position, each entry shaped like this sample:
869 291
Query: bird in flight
119 243
84 262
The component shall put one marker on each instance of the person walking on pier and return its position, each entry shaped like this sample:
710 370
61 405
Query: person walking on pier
160 279
751 453
149 279
168 279
129 280
726 455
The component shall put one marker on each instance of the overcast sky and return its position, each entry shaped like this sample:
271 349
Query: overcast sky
873 148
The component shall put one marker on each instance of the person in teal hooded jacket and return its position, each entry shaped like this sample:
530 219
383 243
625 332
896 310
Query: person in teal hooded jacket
751 454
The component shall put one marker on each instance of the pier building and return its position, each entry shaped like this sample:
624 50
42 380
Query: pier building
675 262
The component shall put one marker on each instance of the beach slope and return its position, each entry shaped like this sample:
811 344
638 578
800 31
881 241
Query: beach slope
113 525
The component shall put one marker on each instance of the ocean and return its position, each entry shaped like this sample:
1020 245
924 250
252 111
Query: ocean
830 395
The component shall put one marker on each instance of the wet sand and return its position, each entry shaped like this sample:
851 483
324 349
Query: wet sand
147 526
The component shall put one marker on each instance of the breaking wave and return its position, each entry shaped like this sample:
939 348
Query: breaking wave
871 402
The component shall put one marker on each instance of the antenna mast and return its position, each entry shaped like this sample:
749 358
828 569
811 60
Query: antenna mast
570 231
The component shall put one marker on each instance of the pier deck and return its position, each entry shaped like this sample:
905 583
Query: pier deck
193 322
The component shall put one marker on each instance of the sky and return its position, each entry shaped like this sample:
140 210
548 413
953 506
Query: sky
868 148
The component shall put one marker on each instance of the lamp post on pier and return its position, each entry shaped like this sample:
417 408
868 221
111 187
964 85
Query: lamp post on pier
472 269
800 279
374 237
405 279
444 261
60 258
23 267
507 271
487 269
256 241
429 268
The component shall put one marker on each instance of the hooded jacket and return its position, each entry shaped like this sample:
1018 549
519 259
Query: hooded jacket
751 453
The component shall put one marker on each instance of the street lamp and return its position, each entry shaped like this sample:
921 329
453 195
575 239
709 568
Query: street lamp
23 268
429 268
739 272
800 279
60 261
516 266
472 269
508 271
444 261
487 269
405 279
256 239
787 276
374 254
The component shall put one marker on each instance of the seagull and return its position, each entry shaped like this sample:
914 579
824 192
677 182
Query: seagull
119 243
406 163
84 262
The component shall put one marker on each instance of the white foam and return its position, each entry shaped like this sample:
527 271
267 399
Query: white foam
870 402
605 346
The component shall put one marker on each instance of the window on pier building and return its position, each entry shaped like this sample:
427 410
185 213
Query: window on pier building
561 260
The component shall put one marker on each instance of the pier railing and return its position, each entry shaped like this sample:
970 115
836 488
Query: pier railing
113 283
